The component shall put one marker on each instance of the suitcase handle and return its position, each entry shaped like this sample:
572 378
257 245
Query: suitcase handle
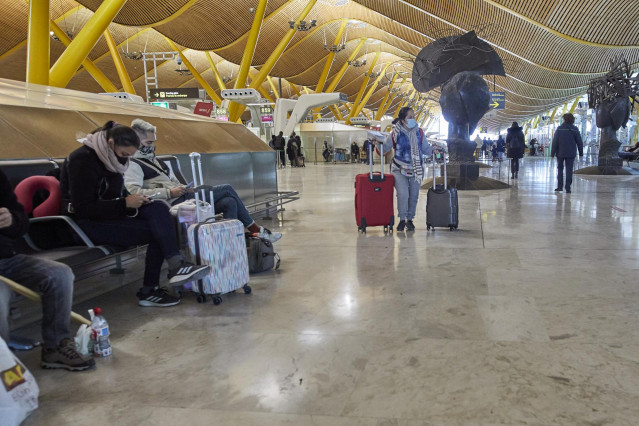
434 172
200 187
370 160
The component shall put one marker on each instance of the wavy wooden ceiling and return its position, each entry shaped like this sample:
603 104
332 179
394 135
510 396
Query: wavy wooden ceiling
550 48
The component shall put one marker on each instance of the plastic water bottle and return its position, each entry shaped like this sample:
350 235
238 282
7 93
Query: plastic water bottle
101 344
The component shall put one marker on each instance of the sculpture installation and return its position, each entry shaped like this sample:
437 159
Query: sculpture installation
457 63
613 97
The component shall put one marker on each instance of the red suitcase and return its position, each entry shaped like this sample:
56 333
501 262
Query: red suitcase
374 198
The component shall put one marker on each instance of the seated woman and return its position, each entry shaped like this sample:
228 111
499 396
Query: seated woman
92 184
148 175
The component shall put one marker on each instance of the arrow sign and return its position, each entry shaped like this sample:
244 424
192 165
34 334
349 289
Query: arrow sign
497 100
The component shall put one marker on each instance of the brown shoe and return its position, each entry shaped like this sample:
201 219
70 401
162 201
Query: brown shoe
66 356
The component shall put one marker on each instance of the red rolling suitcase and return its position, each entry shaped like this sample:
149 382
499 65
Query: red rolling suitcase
374 198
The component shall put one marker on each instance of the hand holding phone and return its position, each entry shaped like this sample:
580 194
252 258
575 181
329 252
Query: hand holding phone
189 185
152 196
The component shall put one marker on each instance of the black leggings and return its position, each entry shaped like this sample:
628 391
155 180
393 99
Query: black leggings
514 165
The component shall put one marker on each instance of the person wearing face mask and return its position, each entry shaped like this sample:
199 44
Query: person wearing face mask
410 146
149 175
93 193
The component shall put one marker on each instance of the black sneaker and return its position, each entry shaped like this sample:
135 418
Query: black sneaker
410 226
187 272
401 225
66 356
158 297
558 189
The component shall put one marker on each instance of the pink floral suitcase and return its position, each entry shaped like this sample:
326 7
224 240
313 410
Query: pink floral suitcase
220 244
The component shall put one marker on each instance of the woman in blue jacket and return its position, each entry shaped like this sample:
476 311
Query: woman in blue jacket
410 146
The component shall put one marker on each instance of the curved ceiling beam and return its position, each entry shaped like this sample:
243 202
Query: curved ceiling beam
175 15
555 32
487 41
233 43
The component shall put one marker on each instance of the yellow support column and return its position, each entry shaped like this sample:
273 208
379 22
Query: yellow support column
389 101
218 77
378 116
552 116
68 63
119 65
38 43
273 88
196 75
370 92
574 105
91 68
331 87
330 58
295 89
401 104
358 99
251 42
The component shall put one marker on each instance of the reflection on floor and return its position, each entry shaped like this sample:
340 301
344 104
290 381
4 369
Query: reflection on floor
527 315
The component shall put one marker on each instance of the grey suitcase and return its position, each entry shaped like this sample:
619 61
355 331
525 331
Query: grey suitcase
441 203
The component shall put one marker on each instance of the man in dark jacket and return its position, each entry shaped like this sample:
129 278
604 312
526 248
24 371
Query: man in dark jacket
516 144
53 280
279 145
565 143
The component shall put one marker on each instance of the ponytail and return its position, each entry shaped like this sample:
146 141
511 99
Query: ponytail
121 135
402 114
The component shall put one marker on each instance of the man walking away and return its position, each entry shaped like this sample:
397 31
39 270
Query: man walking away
565 143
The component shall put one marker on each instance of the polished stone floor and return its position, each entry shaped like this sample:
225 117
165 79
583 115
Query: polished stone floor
527 315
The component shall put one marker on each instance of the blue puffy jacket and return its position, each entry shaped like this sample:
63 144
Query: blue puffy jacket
566 141
402 146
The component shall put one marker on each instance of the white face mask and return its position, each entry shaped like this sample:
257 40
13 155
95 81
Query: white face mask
411 123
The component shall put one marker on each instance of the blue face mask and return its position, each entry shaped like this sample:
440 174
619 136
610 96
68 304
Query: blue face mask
411 123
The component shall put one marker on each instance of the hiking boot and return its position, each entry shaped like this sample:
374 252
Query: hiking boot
401 225
268 235
410 226
158 297
66 356
187 272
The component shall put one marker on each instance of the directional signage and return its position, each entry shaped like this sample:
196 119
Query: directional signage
497 100
483 130
181 93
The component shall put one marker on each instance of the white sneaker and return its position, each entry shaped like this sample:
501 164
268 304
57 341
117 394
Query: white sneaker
268 235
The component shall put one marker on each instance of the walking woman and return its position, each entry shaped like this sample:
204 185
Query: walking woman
516 144
410 145
92 185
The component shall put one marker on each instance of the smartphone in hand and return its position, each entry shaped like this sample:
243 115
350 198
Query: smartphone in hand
189 185
152 196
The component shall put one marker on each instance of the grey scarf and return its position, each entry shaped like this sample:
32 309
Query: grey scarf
97 141
415 153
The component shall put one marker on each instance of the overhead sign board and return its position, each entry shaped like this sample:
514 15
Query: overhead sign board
177 93
222 114
266 112
497 100
204 108
161 104
483 130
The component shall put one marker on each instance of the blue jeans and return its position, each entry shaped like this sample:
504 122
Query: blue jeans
153 225
407 189
227 202
53 281
569 162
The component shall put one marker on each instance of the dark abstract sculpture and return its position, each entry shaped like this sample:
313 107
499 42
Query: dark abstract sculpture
610 96
457 63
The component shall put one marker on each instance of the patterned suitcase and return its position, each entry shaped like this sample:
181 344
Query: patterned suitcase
220 244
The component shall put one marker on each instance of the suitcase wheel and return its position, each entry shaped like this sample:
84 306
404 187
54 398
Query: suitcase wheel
385 229
428 226
247 289
217 300
452 227
201 298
